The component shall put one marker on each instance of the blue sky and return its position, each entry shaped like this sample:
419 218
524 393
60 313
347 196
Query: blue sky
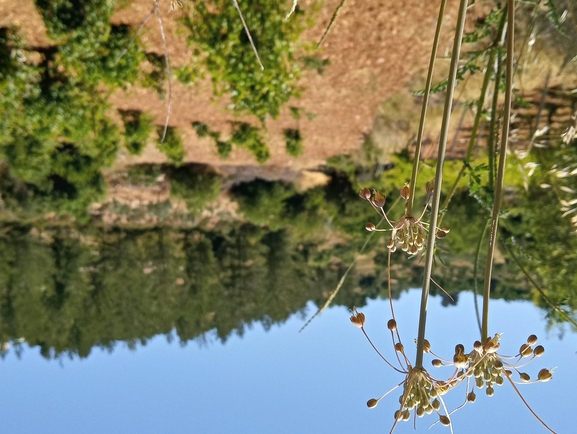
282 381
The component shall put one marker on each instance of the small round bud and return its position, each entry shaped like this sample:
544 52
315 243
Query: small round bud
436 404
459 349
430 187
498 364
399 347
490 391
478 346
532 340
426 346
544 375
398 415
471 397
525 377
405 192
372 403
479 382
539 351
436 363
370 227
420 411
445 420
390 243
392 325
378 199
365 194
508 373
499 381
460 361
406 415
446 229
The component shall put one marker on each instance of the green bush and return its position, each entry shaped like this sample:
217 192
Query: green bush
196 185
221 45
294 142
173 146
137 129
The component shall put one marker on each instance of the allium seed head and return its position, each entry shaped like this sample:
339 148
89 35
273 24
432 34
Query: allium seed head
392 325
539 351
544 374
532 340
372 403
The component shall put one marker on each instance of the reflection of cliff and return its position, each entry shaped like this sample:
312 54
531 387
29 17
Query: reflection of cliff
67 292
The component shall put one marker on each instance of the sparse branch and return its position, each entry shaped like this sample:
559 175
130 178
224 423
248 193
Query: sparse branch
294 6
333 19
248 34
168 73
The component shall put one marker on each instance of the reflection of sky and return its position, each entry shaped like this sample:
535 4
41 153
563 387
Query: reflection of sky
282 381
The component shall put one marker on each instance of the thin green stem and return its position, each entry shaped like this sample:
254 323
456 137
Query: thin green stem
501 169
333 19
439 180
475 269
426 96
492 136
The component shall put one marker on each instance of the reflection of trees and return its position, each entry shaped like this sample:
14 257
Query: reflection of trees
67 292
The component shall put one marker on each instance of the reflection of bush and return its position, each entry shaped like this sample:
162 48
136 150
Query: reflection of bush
216 29
196 185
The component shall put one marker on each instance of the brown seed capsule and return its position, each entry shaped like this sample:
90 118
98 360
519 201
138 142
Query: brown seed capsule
459 349
358 319
390 243
478 346
436 404
532 340
398 415
370 227
372 403
544 375
539 351
441 234
405 192
378 199
430 187
446 229
436 363
426 346
490 391
471 397
460 361
392 325
365 194
508 373
525 350
399 347
445 420
525 377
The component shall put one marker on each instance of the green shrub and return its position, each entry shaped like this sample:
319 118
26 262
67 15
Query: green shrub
137 129
221 45
173 146
249 137
294 142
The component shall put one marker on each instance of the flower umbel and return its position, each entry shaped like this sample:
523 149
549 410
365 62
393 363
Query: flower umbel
408 233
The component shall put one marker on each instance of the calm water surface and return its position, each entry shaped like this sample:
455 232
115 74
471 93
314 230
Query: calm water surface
282 381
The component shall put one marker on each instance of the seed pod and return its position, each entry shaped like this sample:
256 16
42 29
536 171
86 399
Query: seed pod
532 340
365 194
478 346
390 243
471 397
446 229
544 375
441 234
420 411
499 381
398 415
399 347
430 187
358 319
436 363
498 365
525 377
436 404
378 199
479 382
392 325
370 227
508 373
539 351
372 403
445 420
459 349
525 350
426 346
406 415
490 391
405 192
